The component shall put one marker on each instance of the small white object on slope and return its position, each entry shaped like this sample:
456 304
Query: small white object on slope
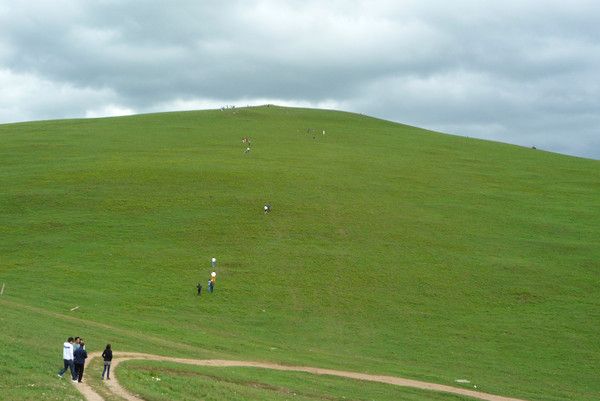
2 290
462 381
72 309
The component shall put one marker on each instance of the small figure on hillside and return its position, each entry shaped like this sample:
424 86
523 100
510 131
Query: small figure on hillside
213 262
199 288
212 281
68 359
267 208
80 356
247 150
76 343
107 356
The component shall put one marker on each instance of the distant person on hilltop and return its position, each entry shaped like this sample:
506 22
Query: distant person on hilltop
68 359
267 208
107 356
199 287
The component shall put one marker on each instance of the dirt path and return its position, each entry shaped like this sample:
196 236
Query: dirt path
116 388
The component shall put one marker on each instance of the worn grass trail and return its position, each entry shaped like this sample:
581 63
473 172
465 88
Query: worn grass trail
117 389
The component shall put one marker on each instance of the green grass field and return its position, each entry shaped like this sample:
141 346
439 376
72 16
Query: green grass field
390 250
165 382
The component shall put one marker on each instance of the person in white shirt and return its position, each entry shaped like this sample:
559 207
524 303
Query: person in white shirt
68 359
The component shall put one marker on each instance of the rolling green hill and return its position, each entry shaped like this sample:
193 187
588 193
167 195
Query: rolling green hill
390 249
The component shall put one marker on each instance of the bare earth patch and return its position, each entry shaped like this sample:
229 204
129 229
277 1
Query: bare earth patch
116 388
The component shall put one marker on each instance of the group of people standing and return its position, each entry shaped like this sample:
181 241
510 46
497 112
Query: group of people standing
211 283
74 356
246 141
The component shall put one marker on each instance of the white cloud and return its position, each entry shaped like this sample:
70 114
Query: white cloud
109 110
202 104
26 96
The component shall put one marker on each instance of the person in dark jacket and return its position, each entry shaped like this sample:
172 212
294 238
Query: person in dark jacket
107 356
80 355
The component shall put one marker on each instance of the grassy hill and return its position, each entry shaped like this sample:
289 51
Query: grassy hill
390 249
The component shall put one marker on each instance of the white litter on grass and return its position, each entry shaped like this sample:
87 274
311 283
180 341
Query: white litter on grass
2 290
156 378
75 308
462 381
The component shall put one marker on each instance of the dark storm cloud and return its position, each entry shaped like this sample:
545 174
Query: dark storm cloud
523 72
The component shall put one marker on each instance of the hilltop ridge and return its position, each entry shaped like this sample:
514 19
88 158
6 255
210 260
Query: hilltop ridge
389 250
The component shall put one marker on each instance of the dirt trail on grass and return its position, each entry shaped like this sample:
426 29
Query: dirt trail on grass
114 386
112 329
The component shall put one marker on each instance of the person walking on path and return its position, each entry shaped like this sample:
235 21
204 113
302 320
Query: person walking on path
80 355
107 356
199 287
68 359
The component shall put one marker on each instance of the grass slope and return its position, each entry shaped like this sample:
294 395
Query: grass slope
170 382
390 249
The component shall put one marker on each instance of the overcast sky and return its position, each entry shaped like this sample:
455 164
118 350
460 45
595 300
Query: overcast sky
524 72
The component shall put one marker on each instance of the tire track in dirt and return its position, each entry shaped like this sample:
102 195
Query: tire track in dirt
116 388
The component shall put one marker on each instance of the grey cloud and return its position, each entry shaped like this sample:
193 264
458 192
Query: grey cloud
522 72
